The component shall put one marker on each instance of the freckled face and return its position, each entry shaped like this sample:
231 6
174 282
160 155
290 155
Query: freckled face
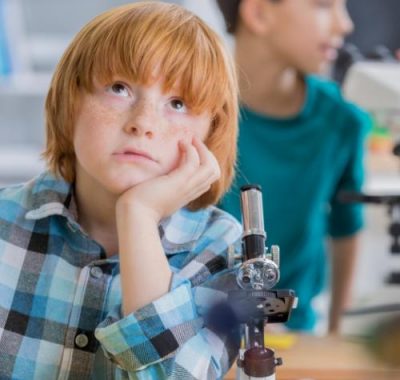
126 134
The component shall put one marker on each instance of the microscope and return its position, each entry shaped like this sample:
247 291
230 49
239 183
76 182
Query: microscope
256 303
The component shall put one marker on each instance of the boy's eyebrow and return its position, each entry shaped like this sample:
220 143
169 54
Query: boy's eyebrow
117 77
112 79
176 89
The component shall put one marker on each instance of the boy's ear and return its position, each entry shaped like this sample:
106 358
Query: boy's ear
256 15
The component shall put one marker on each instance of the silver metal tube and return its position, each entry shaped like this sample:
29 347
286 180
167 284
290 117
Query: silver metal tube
252 211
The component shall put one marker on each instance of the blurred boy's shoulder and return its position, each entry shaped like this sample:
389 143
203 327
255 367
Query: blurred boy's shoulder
329 93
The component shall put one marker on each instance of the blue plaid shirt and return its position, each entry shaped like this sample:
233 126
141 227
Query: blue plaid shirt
60 296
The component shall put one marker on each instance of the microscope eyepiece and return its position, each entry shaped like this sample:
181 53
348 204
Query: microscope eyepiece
254 235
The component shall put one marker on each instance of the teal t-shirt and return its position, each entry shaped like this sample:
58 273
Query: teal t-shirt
302 163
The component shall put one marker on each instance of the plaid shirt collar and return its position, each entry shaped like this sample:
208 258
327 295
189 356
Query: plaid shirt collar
51 195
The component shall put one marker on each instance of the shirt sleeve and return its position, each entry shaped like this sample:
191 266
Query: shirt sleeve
346 218
169 338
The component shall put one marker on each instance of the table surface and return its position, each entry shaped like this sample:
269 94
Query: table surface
328 358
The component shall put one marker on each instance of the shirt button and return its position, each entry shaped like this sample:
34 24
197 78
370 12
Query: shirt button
81 340
96 272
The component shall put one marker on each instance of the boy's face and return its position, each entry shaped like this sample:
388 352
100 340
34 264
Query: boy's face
307 34
125 133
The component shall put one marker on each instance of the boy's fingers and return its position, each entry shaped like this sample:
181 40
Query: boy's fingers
193 156
201 148
182 153
196 171
188 162
204 154
207 159
208 171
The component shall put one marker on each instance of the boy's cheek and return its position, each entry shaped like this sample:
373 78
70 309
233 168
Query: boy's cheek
179 132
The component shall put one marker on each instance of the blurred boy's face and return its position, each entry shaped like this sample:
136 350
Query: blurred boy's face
306 34
125 133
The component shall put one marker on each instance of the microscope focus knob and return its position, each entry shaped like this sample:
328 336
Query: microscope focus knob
258 274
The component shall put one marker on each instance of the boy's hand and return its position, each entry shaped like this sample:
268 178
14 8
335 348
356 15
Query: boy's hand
161 196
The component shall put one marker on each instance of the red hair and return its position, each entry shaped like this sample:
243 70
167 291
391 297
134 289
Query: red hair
131 41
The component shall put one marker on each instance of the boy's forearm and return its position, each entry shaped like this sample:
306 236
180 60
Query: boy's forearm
145 272
344 253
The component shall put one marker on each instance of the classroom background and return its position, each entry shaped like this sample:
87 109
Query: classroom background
33 35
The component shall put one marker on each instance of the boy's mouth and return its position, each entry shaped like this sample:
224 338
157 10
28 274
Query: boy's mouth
330 52
134 153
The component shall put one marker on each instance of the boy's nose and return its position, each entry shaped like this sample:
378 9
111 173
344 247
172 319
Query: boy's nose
343 22
142 121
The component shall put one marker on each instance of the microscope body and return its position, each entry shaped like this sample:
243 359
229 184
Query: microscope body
256 303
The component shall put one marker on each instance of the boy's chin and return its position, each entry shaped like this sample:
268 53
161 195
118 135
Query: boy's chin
316 67
119 187
324 67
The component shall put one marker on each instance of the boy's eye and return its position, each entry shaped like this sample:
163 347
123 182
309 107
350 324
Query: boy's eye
178 105
119 89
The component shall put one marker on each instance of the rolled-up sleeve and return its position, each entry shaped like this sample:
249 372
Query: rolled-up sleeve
153 332
168 338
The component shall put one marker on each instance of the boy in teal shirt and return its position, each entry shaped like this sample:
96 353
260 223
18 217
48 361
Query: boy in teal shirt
300 140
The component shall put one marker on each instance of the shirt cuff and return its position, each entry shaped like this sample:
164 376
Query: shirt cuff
152 333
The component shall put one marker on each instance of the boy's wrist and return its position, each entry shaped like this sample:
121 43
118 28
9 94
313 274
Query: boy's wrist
134 210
